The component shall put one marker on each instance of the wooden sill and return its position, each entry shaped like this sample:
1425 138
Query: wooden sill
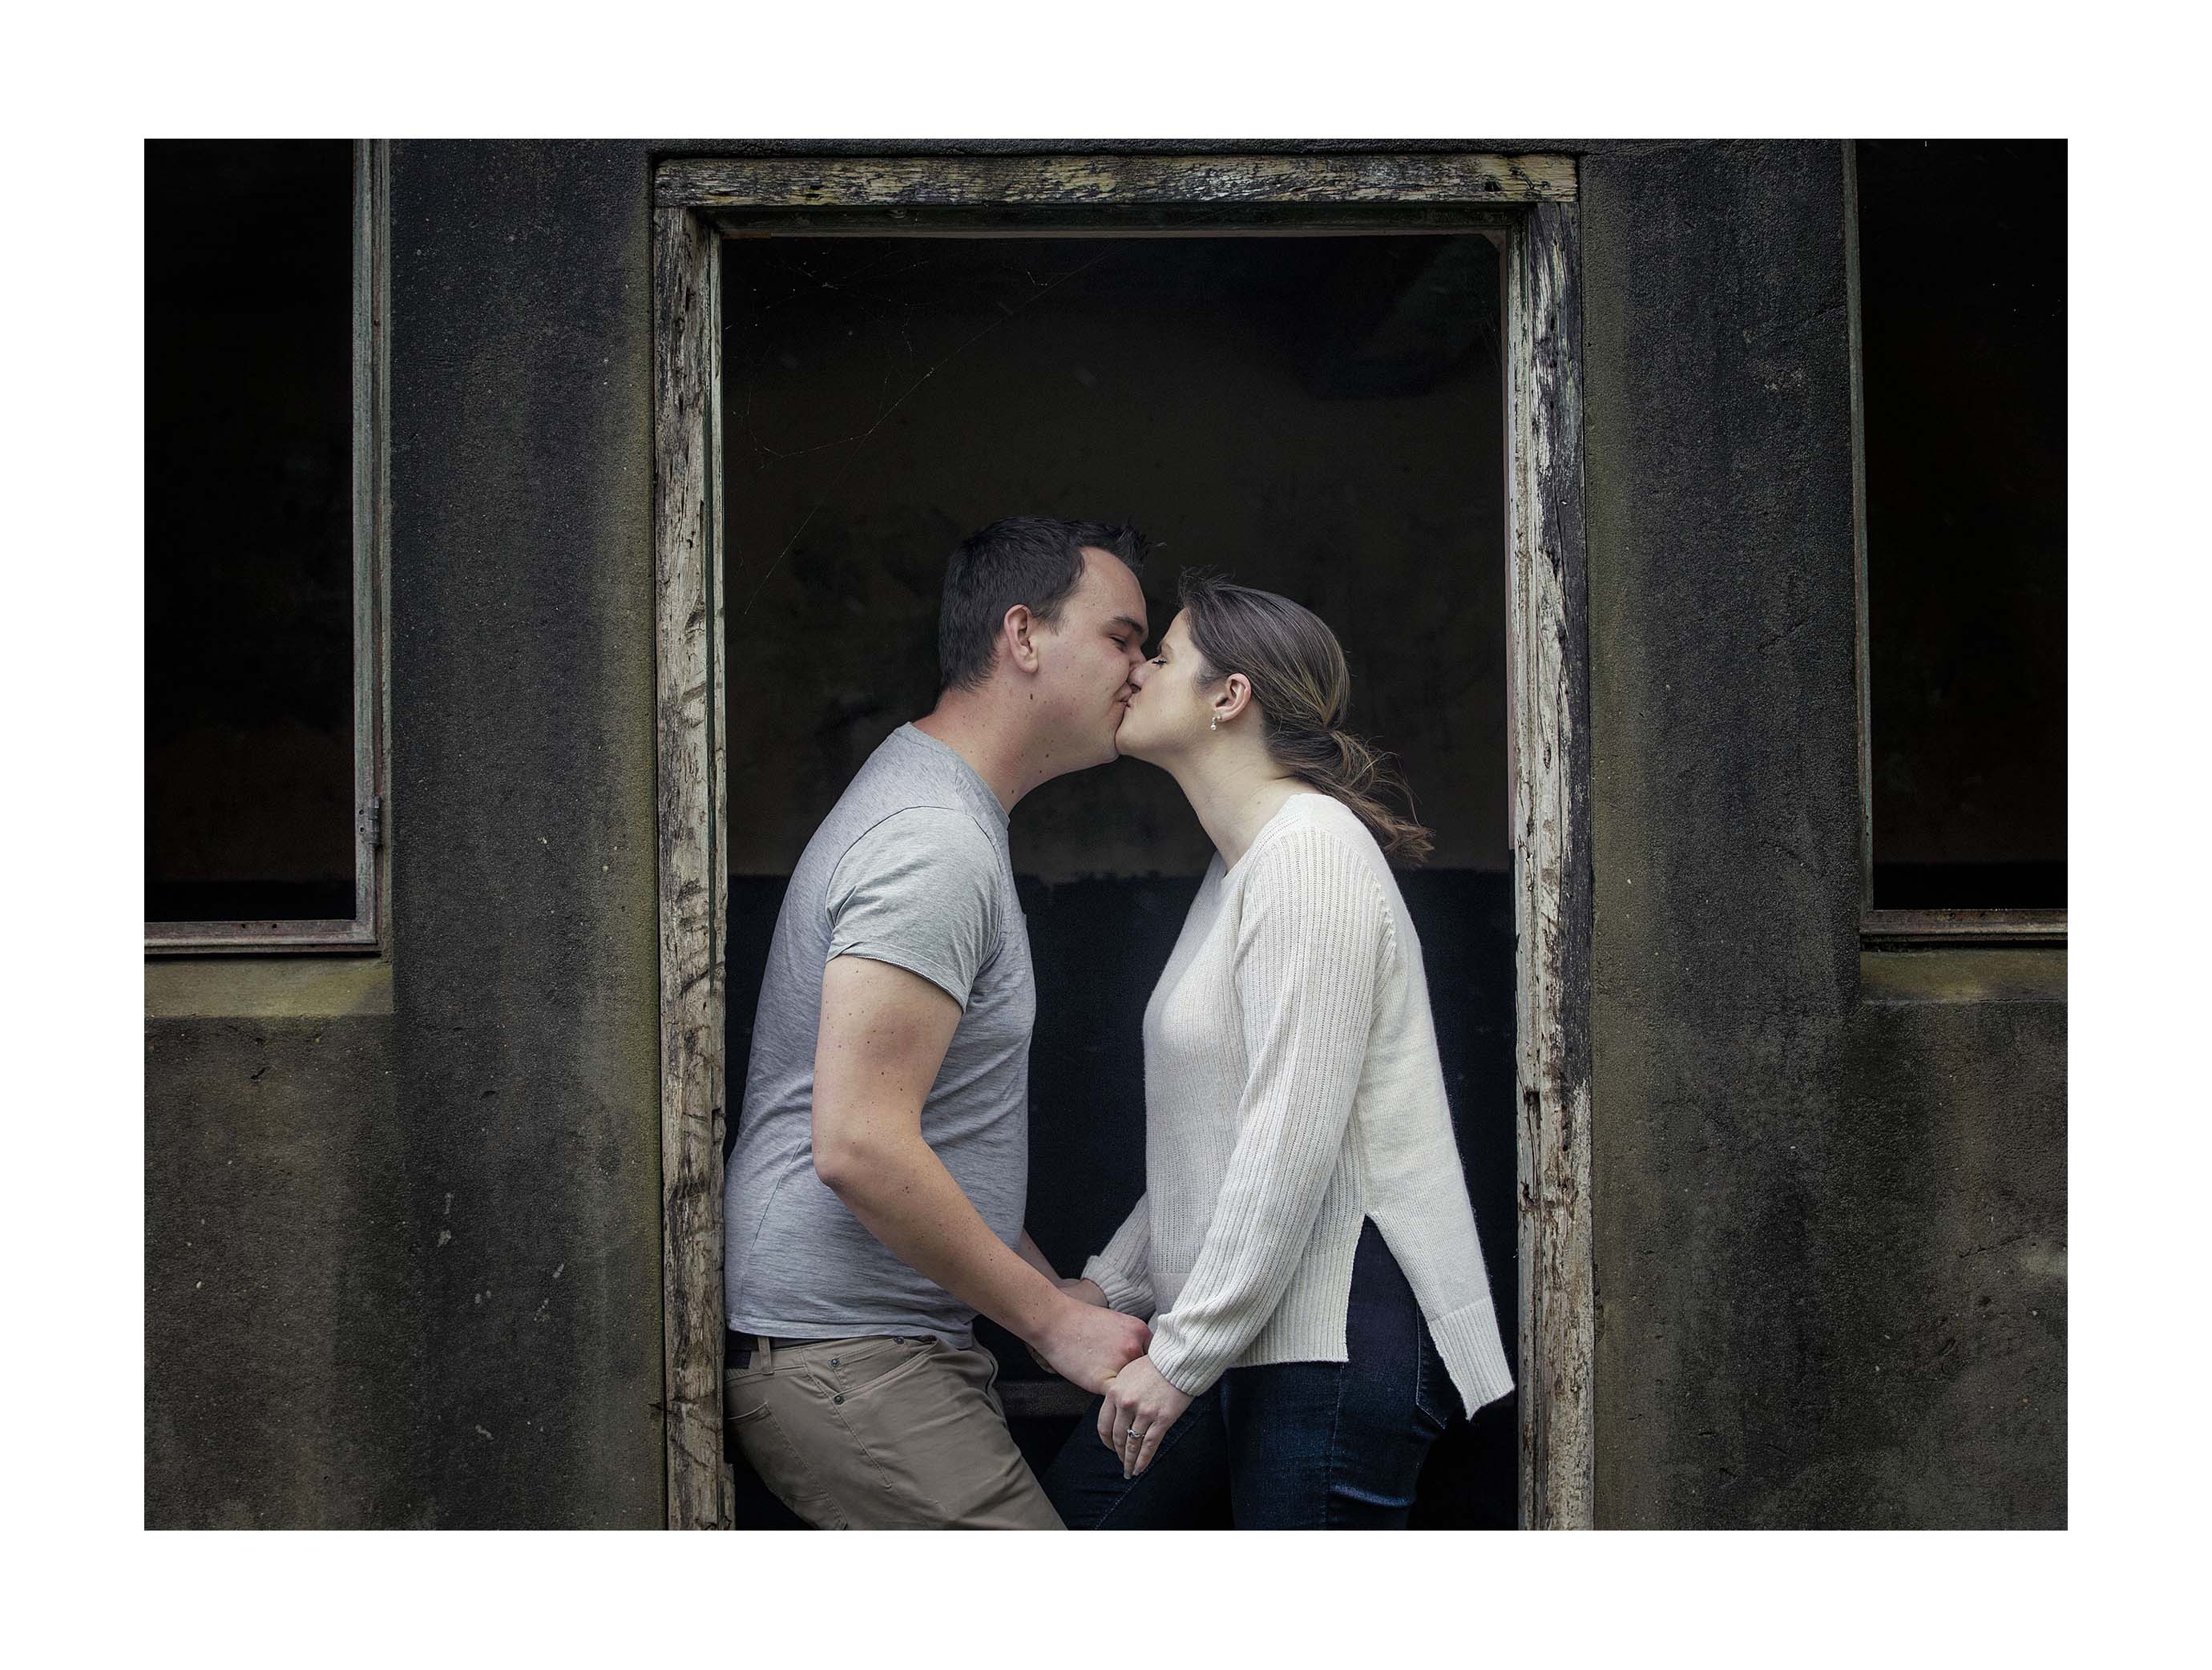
254 938
1882 930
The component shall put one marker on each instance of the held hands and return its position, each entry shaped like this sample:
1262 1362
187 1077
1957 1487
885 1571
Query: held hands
1141 1406
1103 1351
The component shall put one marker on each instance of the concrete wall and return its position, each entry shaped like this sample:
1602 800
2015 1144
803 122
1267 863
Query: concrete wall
1830 1209
1829 1190
433 1235
280 1337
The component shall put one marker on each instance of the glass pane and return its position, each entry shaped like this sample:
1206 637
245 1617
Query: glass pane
249 530
1962 250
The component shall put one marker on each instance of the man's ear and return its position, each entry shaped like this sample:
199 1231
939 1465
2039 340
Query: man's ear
1015 637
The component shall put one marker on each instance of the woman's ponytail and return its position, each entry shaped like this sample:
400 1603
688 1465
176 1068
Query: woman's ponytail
1302 686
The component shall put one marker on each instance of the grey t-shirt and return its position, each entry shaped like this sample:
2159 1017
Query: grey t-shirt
910 867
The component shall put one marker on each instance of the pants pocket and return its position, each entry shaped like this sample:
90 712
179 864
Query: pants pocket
876 1364
757 1434
938 1448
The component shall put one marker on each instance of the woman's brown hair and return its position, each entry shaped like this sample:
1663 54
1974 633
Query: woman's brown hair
1304 689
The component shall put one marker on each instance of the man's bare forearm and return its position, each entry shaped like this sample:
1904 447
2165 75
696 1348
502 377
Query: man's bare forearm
904 1197
1033 1256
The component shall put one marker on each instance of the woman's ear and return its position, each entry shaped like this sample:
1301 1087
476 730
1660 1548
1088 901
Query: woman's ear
1236 697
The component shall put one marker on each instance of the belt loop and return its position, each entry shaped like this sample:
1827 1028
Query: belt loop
764 1354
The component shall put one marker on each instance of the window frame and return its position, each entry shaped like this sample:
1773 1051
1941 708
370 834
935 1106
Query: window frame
368 929
1892 929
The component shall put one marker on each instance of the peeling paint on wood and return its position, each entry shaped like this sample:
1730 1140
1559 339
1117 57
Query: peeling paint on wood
1549 720
693 814
975 182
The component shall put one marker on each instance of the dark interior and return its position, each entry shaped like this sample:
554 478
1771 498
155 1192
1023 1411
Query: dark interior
249 529
1962 261
1319 416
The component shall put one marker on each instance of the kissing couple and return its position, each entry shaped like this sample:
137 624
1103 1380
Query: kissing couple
1296 1305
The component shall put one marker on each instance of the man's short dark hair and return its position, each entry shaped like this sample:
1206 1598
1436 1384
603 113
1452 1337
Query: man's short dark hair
1032 559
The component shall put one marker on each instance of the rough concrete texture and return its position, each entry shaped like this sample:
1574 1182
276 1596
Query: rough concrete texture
1830 1236
278 1345
524 896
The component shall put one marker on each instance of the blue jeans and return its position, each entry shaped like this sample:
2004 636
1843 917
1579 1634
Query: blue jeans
1289 1446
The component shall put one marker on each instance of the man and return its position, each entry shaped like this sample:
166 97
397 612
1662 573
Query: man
874 1200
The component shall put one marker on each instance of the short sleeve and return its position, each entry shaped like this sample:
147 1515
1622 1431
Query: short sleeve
919 889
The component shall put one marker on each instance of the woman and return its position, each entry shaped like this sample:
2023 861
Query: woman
1305 1245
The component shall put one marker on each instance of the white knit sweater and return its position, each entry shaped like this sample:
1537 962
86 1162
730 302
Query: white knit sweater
1292 1090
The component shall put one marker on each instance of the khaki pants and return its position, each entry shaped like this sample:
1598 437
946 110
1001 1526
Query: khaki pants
883 1434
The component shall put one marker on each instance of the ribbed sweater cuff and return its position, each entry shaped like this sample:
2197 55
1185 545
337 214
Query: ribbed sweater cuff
1184 1365
1124 1291
1467 1340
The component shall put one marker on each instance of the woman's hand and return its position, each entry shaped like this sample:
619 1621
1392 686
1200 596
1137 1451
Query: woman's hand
1141 1406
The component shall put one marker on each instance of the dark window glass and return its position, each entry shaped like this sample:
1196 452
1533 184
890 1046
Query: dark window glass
249 530
1962 261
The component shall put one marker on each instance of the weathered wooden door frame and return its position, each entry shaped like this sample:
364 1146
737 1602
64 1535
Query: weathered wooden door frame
1525 204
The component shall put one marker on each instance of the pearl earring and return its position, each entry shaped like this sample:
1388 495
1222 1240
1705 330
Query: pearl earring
1214 724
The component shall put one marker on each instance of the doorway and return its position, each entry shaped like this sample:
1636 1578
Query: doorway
1356 402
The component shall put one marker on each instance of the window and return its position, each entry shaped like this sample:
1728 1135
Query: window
1961 292
263 521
